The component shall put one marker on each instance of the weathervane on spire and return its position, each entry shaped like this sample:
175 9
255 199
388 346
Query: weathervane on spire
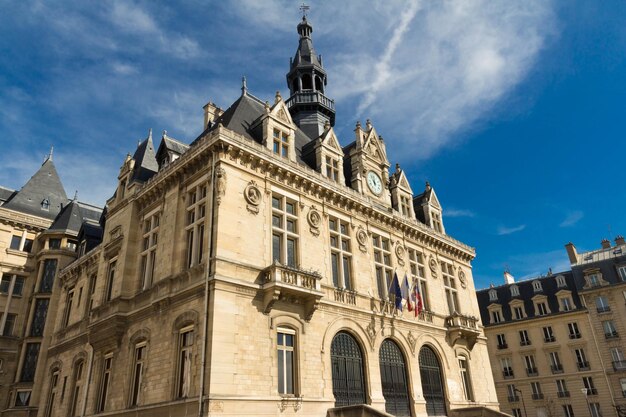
304 9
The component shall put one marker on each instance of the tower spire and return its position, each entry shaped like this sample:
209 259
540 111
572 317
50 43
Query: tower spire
306 79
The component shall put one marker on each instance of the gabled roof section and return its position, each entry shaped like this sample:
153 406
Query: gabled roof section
399 178
5 194
69 219
43 195
145 161
170 144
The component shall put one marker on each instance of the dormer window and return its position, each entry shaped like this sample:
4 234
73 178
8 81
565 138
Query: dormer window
332 168
514 291
405 205
436 222
560 281
493 295
45 204
281 143
537 286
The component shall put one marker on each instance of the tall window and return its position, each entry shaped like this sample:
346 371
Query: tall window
496 316
29 366
566 304
568 411
561 388
595 409
405 205
110 280
555 362
104 381
194 226
284 230
517 412
47 277
537 286
52 394
514 291
518 312
18 285
493 295
281 143
602 304
507 367
416 264
548 334
382 262
512 393
531 367
332 168
535 388
137 373
92 289
574 333
340 253
9 324
465 377
501 341
449 283
622 272
622 383
542 308
588 383
524 339
581 359
609 329
436 220
39 317
54 243
183 370
77 381
285 345
150 238
560 281
68 306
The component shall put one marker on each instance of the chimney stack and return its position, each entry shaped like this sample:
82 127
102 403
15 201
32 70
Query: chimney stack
571 253
606 244
508 278
619 240
211 113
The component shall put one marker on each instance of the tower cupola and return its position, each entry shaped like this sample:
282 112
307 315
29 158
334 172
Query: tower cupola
308 105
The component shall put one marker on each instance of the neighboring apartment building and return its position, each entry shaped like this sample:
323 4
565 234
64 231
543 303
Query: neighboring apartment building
600 276
556 341
39 229
248 273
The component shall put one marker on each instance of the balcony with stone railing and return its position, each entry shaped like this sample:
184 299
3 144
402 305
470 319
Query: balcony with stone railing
291 285
462 328
310 97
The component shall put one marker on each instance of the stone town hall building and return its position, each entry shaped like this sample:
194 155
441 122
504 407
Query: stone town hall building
244 274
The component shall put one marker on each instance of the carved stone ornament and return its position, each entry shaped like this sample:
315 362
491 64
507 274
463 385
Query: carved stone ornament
315 220
412 341
361 238
462 278
253 196
432 263
400 252
220 183
371 332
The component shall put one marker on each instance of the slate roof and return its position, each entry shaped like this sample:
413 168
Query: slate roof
606 265
526 293
5 194
73 215
145 161
170 144
45 184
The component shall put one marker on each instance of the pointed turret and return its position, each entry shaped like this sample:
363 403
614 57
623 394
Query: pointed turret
43 195
309 107
145 160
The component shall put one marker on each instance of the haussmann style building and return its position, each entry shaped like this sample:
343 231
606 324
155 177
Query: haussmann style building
556 341
247 273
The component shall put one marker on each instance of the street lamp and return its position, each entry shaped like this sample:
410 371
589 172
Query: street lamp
522 396
584 391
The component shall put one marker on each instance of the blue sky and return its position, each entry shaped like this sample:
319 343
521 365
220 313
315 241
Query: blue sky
514 111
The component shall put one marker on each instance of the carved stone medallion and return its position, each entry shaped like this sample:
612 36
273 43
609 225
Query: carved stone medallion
400 252
462 278
315 220
253 196
432 263
361 238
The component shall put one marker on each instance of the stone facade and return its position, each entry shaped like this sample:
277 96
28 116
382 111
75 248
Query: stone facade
249 274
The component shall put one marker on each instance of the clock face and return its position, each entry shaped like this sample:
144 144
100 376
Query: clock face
374 182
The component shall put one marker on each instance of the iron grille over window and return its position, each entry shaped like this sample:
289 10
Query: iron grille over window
347 369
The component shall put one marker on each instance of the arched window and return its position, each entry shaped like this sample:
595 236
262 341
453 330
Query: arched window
285 345
393 376
465 378
77 384
307 82
295 86
184 365
52 392
432 385
319 85
347 369
139 360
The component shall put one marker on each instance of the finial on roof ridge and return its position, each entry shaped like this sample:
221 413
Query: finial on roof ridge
49 156
244 86
164 133
76 195
150 134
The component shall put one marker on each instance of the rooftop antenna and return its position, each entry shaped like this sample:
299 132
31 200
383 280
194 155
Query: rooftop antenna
304 9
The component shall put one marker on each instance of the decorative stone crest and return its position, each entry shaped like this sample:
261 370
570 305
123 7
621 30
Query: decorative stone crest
253 196
371 332
315 220
412 341
220 183
432 263
400 252
462 278
216 406
361 238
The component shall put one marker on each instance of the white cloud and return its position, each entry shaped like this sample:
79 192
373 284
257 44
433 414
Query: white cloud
452 212
572 218
503 230
132 18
